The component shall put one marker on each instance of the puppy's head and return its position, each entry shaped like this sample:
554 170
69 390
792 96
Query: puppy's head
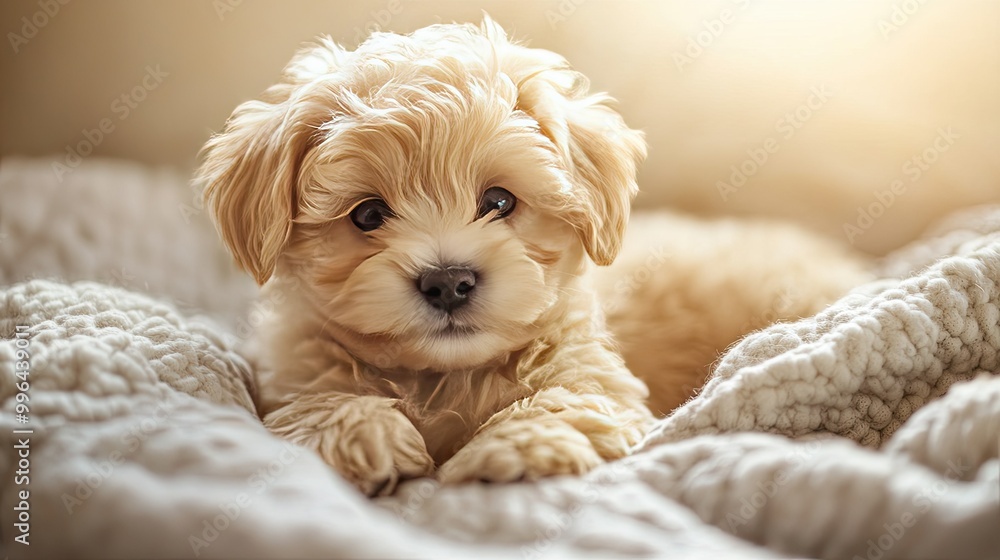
439 190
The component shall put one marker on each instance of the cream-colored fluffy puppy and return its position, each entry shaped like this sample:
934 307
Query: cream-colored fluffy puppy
422 213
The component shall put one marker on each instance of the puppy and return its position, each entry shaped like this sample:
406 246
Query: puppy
422 214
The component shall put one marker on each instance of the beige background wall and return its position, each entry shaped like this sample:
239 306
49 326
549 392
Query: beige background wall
894 73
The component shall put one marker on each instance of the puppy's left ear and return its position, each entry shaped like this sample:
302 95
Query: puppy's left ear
598 149
604 154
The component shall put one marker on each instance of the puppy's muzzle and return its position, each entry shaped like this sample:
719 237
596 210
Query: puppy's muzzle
448 288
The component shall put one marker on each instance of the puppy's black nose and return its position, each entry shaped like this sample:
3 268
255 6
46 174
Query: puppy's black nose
447 289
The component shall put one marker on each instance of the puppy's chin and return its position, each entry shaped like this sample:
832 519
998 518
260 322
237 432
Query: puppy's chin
458 350
448 350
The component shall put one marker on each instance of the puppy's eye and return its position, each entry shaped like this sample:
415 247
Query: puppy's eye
370 214
498 199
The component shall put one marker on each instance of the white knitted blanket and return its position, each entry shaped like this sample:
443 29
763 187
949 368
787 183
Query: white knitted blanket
144 441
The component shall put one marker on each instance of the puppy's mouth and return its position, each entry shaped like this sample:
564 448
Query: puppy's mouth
453 330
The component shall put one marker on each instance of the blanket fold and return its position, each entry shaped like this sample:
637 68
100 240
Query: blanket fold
860 368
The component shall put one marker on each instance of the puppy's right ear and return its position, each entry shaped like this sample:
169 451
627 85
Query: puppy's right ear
250 171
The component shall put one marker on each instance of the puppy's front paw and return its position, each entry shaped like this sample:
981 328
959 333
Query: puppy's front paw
366 439
522 450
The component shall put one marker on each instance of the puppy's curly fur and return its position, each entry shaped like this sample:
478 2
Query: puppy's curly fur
360 363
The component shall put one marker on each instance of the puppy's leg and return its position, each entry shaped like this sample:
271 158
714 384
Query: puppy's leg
573 424
365 438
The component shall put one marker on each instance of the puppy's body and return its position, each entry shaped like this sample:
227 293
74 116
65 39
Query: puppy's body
685 289
566 382
423 213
